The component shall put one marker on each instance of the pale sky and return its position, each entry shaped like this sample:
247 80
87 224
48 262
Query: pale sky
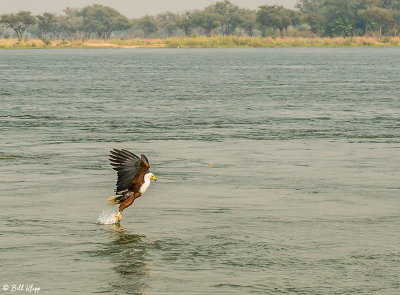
129 8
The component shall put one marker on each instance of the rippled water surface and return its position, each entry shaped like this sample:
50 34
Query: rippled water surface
302 196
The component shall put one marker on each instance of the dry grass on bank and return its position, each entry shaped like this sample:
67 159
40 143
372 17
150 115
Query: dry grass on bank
208 42
254 42
92 43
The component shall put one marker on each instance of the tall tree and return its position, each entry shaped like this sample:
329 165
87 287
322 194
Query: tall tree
103 20
18 22
249 21
148 24
309 6
396 21
335 17
185 22
229 14
316 22
342 26
341 17
71 23
380 16
390 4
167 22
46 22
274 16
207 20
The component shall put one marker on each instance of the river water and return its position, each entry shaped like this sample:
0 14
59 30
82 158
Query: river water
277 170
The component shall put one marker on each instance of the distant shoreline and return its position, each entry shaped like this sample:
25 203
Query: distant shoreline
206 42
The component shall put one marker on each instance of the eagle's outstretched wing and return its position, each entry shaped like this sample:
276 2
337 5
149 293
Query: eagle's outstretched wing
129 168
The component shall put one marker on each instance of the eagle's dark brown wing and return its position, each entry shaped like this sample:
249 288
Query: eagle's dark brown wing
130 169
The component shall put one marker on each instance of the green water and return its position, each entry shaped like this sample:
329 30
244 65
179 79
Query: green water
302 196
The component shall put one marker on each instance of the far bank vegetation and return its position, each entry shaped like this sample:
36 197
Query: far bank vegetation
222 24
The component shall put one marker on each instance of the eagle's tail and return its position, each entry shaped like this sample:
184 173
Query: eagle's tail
114 200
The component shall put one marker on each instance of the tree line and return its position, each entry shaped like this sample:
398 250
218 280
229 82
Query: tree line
310 18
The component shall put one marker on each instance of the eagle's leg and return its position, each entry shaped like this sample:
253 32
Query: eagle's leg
126 203
118 217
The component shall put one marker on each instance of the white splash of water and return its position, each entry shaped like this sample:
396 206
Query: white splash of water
108 215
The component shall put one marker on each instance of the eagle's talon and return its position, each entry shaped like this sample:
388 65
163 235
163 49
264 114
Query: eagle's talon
118 217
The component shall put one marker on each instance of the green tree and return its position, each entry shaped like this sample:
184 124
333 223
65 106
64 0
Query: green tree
345 13
148 25
185 22
390 4
274 16
396 21
71 23
342 27
46 23
167 22
207 20
249 21
229 16
18 22
316 22
380 16
309 6
103 20
335 16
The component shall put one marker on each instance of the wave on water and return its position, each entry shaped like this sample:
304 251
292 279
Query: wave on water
108 215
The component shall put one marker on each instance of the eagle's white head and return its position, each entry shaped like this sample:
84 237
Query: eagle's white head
150 176
146 184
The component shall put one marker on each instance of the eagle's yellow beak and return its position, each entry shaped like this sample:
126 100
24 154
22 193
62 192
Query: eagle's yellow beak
154 178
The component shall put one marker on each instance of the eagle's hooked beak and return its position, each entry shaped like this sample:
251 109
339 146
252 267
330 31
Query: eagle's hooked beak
154 178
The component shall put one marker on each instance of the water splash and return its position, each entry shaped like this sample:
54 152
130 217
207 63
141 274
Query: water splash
108 215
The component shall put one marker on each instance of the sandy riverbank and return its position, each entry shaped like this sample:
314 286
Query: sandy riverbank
206 42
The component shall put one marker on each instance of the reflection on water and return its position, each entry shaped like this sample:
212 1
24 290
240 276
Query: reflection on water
127 252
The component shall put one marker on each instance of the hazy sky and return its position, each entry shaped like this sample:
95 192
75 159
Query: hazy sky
130 8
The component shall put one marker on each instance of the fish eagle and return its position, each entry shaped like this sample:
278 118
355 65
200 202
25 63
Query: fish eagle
133 178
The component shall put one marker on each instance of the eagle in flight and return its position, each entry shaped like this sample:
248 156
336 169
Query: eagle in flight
133 178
